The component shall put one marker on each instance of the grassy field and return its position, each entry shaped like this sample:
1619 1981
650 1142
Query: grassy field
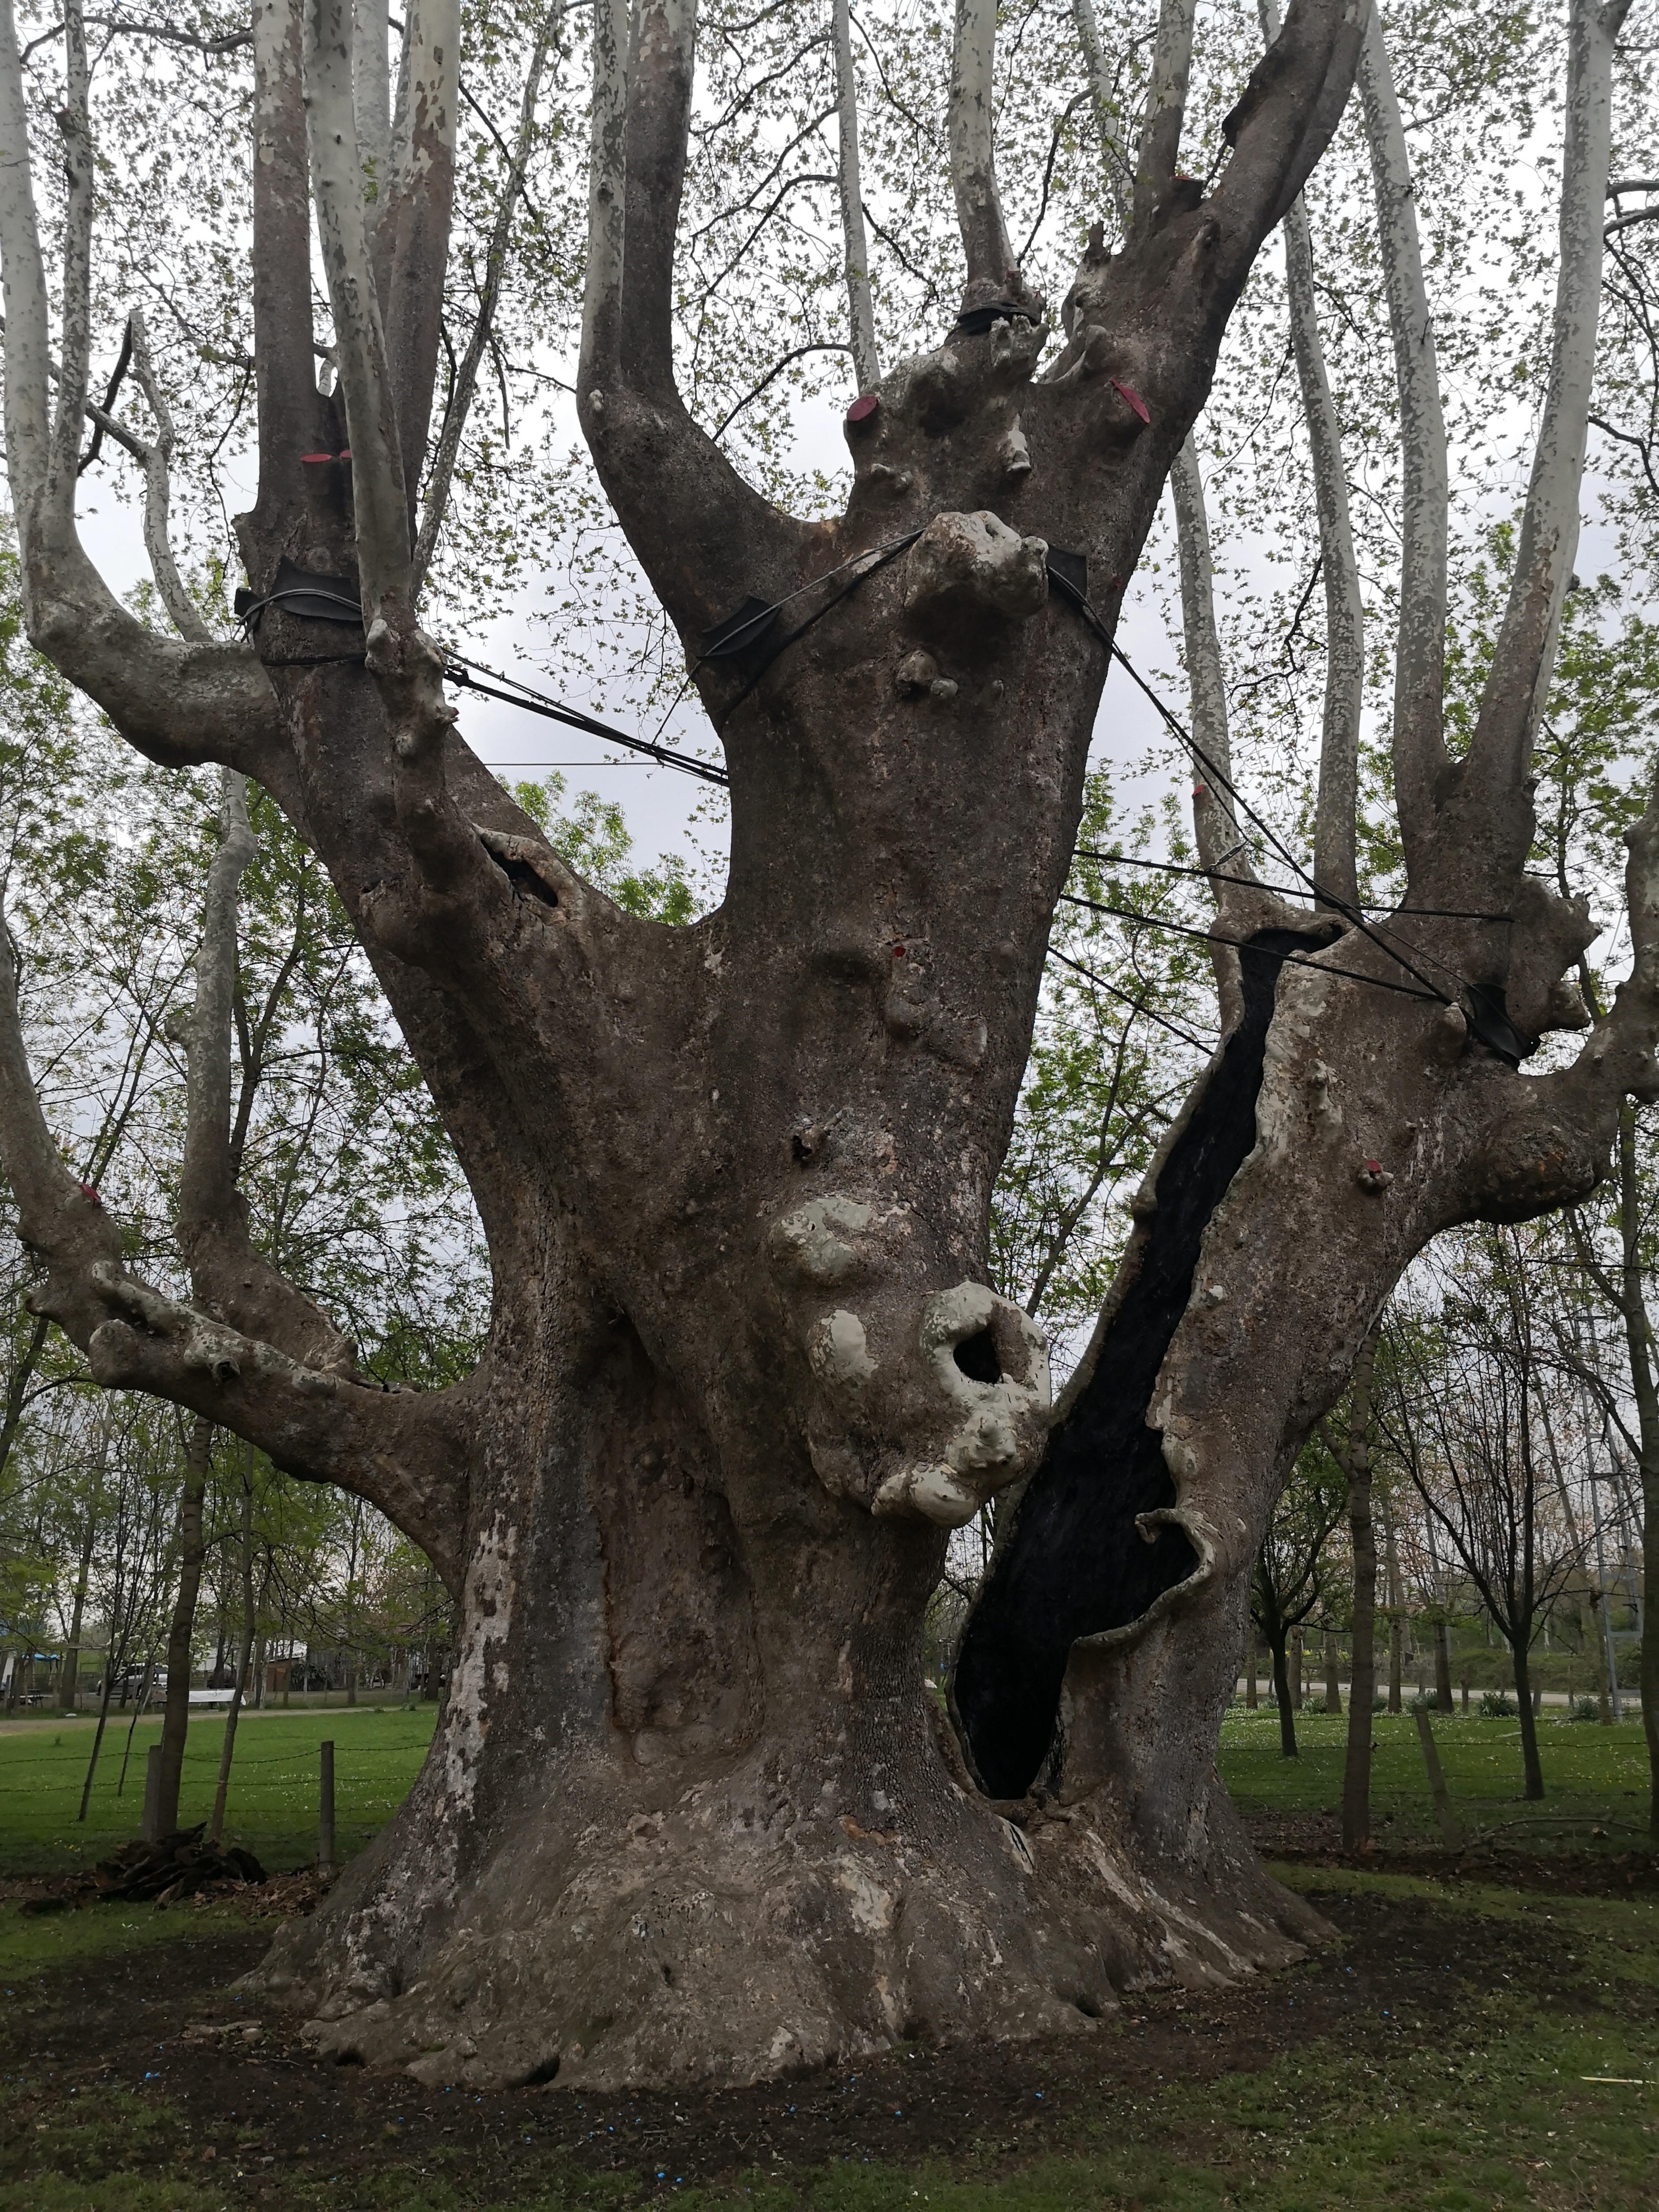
272 1806
1463 2045
1533 2084
1594 1777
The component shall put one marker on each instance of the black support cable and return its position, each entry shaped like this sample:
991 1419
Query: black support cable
1279 891
1136 1005
467 672
749 625
747 628
1243 945
1081 600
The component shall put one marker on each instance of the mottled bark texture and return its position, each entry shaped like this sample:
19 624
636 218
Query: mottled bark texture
691 1810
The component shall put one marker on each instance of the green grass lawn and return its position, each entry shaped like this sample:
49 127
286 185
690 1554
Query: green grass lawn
1529 2092
1593 1776
272 1806
1538 2088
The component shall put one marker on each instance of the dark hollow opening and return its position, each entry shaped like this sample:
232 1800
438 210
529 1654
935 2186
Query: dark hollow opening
526 883
976 1356
547 2071
1074 1564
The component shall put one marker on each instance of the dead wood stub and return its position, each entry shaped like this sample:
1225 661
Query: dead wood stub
1074 1563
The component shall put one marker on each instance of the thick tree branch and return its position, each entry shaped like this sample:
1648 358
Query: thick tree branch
405 1451
406 664
228 1278
59 1219
1217 827
377 461
28 333
1219 841
1619 1055
1335 864
73 123
371 95
1188 260
1109 119
861 318
658 119
986 248
1280 125
1166 109
1523 659
411 223
607 196
1419 751
178 702
1241 907
291 414
705 537
156 457
465 385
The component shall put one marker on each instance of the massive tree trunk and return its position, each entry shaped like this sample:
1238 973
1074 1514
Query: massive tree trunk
691 1810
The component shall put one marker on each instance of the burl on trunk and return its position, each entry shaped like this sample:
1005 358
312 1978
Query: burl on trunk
692 1809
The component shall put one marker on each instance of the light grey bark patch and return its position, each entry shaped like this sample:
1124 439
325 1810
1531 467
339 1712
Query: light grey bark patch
814 1240
990 1365
968 565
685 1669
840 1354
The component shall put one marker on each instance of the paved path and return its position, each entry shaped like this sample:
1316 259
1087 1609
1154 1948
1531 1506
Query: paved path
1314 1701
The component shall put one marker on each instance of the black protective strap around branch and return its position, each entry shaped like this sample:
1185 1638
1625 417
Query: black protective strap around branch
746 627
299 591
974 322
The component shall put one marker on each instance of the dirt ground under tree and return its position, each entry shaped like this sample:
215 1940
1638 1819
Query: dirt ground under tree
136 2070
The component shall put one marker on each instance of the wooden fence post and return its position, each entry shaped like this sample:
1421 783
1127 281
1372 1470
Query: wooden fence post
325 1808
151 1830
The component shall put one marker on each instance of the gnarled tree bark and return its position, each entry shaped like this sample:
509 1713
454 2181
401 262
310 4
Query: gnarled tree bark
691 1810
